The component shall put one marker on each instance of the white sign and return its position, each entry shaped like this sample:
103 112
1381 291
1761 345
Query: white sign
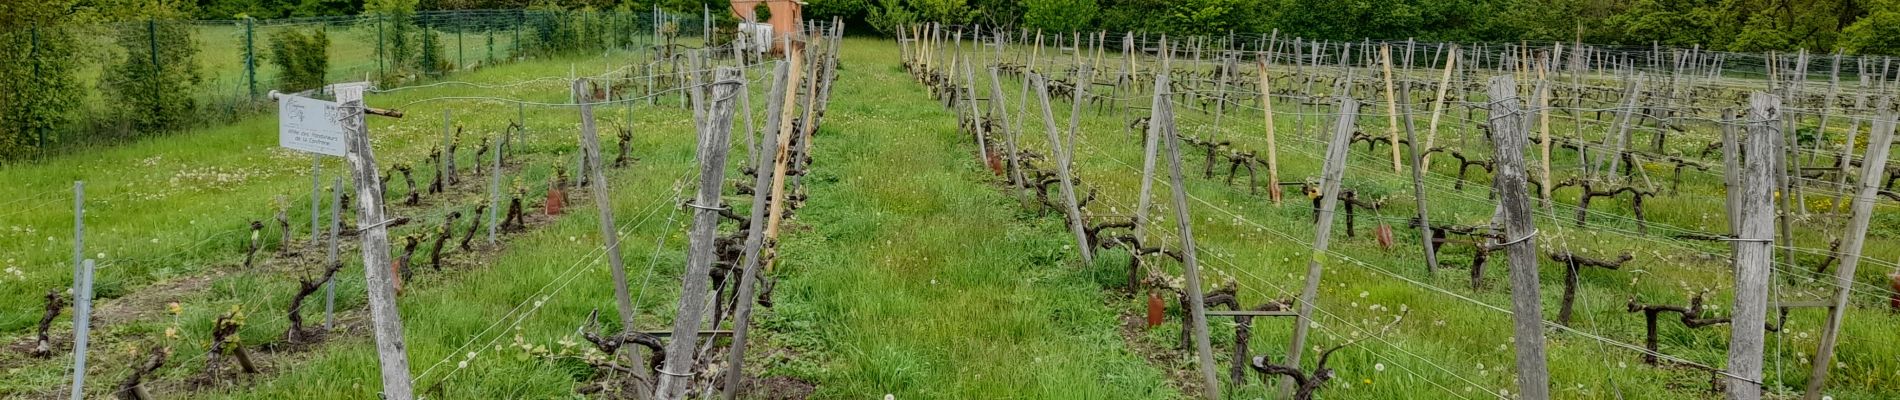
309 125
346 92
757 36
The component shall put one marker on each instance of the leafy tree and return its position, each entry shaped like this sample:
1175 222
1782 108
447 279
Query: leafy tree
318 8
39 87
891 15
394 19
1132 15
1209 17
303 58
1556 20
151 83
1876 33
996 13
944 11
431 61
1059 15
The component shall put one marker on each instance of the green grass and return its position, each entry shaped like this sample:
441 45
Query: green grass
909 271
919 279
160 213
1263 247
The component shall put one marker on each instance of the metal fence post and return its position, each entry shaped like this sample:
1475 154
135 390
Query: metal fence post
336 221
151 34
316 199
82 288
39 144
79 225
82 325
494 187
250 61
379 46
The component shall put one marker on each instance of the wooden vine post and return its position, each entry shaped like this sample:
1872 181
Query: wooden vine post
1622 134
676 374
1333 170
1076 97
1418 186
385 321
1507 124
1150 145
1543 133
1873 167
1754 246
609 232
999 106
977 124
1438 106
1056 145
776 214
1197 308
754 242
1273 152
1391 108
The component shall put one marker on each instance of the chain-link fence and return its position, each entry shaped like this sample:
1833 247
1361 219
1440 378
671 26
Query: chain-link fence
75 86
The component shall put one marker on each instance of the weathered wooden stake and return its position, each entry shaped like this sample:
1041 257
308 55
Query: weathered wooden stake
1391 108
787 111
330 257
1872 167
1754 246
1330 175
999 106
609 232
675 376
1622 135
1273 152
1151 143
1056 145
977 125
1543 132
754 242
1438 106
385 320
494 185
1418 185
1191 267
1507 123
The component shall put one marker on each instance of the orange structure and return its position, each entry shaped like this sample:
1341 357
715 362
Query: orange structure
785 18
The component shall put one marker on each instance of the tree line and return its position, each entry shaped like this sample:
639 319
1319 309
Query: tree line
53 40
88 72
1851 26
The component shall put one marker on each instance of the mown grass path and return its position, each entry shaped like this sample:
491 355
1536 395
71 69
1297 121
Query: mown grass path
918 277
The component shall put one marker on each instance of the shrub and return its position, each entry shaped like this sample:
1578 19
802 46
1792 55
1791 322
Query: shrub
37 92
1059 15
431 62
761 13
152 83
303 58
890 15
394 20
554 32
